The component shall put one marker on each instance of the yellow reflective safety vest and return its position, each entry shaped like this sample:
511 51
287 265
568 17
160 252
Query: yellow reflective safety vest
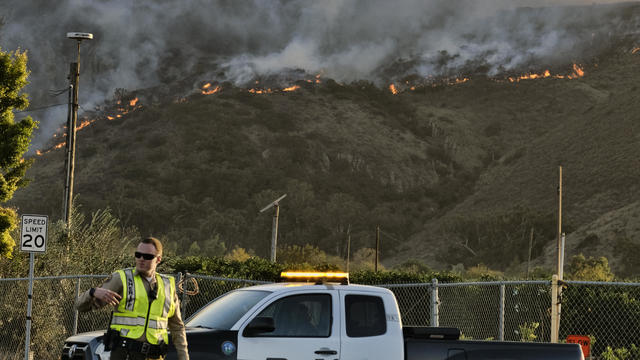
134 314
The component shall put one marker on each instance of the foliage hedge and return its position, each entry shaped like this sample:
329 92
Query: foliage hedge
257 268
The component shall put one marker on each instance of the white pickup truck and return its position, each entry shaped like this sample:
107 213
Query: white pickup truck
322 320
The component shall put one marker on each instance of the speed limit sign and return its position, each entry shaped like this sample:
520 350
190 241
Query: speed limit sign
33 237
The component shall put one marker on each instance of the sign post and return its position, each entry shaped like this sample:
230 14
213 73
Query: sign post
33 239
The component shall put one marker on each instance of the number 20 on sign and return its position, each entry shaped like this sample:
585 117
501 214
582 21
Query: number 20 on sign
33 237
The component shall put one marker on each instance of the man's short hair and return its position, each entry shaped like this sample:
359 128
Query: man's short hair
155 242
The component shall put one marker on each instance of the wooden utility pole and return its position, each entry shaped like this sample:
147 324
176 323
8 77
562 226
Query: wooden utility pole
377 247
70 160
72 119
556 288
530 249
274 232
348 246
274 225
560 250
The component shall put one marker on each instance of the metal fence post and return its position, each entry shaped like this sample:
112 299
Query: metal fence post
435 302
183 305
555 309
75 311
501 314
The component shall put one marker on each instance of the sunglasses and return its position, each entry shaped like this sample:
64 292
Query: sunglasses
144 256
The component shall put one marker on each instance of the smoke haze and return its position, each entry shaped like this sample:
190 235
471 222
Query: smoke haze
143 43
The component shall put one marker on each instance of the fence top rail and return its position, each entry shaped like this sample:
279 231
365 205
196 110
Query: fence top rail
482 283
604 283
218 278
429 284
58 277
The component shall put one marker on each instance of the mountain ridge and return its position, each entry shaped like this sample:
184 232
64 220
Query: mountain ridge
353 156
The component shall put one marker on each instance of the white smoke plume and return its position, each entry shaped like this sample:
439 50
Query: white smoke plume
142 43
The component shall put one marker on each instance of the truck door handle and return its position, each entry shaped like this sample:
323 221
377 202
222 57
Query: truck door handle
326 352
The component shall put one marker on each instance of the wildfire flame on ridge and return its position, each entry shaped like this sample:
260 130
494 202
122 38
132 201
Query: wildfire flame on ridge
206 89
291 88
133 105
577 72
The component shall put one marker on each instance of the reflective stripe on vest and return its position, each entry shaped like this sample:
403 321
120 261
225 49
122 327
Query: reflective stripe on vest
131 290
160 324
168 300
130 317
131 321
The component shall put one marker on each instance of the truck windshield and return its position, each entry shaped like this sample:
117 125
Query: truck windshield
223 312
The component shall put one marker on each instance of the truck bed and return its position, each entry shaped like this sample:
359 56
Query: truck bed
430 345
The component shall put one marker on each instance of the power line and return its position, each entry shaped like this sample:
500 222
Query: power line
57 92
39 108
389 235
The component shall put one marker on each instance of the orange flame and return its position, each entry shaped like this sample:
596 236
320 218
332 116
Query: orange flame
132 106
211 91
58 146
393 89
83 125
291 88
530 76
260 91
577 72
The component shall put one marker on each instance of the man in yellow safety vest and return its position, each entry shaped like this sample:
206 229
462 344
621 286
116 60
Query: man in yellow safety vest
146 306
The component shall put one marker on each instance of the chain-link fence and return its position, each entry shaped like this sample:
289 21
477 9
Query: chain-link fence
607 312
503 310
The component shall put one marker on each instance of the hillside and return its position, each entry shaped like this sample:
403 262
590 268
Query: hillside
427 165
590 127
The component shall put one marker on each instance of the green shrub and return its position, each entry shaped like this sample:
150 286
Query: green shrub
632 353
527 331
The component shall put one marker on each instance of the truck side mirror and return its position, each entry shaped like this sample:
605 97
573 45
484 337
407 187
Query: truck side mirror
259 325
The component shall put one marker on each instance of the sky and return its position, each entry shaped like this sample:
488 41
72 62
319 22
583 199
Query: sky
143 43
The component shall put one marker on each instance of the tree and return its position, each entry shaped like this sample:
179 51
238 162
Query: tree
238 254
15 138
589 269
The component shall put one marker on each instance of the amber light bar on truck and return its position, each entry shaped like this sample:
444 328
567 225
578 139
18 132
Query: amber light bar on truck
316 277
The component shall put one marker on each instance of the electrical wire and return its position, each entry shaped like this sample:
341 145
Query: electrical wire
39 108
57 92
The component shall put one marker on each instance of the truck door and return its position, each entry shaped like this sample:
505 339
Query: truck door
371 327
305 328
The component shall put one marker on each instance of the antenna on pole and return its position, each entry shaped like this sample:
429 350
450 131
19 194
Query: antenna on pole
274 227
